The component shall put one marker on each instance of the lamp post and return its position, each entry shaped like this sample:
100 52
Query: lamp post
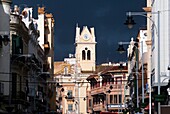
121 50
130 25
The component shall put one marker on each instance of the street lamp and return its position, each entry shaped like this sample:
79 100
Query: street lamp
130 22
144 14
121 50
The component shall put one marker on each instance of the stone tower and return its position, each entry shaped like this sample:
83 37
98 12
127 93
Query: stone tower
85 48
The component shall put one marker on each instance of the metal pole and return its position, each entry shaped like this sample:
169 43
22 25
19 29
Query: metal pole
106 102
137 78
124 96
150 101
159 60
150 97
142 78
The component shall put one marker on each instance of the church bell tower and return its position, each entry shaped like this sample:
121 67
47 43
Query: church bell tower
85 48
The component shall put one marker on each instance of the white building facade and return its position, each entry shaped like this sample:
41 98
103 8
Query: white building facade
4 49
160 42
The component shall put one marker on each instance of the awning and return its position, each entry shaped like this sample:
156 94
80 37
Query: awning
92 76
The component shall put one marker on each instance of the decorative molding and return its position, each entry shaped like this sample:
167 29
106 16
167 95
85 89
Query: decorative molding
41 10
149 42
48 15
147 9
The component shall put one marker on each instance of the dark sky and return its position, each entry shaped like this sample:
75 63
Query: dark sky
107 16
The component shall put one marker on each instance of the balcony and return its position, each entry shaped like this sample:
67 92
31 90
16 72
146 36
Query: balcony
19 98
103 89
70 112
99 107
97 90
70 97
117 87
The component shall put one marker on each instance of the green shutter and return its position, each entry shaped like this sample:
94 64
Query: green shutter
17 44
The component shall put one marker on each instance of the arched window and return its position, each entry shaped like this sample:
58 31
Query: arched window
88 55
83 55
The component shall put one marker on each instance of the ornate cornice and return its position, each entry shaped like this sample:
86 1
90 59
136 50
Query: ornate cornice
48 15
41 10
147 9
149 42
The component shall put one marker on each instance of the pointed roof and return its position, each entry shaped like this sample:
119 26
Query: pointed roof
85 29
59 67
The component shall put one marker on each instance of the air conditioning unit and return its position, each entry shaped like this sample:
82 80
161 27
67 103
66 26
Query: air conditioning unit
1 88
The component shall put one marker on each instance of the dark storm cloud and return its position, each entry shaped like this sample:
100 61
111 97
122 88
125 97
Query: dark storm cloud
107 16
102 11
